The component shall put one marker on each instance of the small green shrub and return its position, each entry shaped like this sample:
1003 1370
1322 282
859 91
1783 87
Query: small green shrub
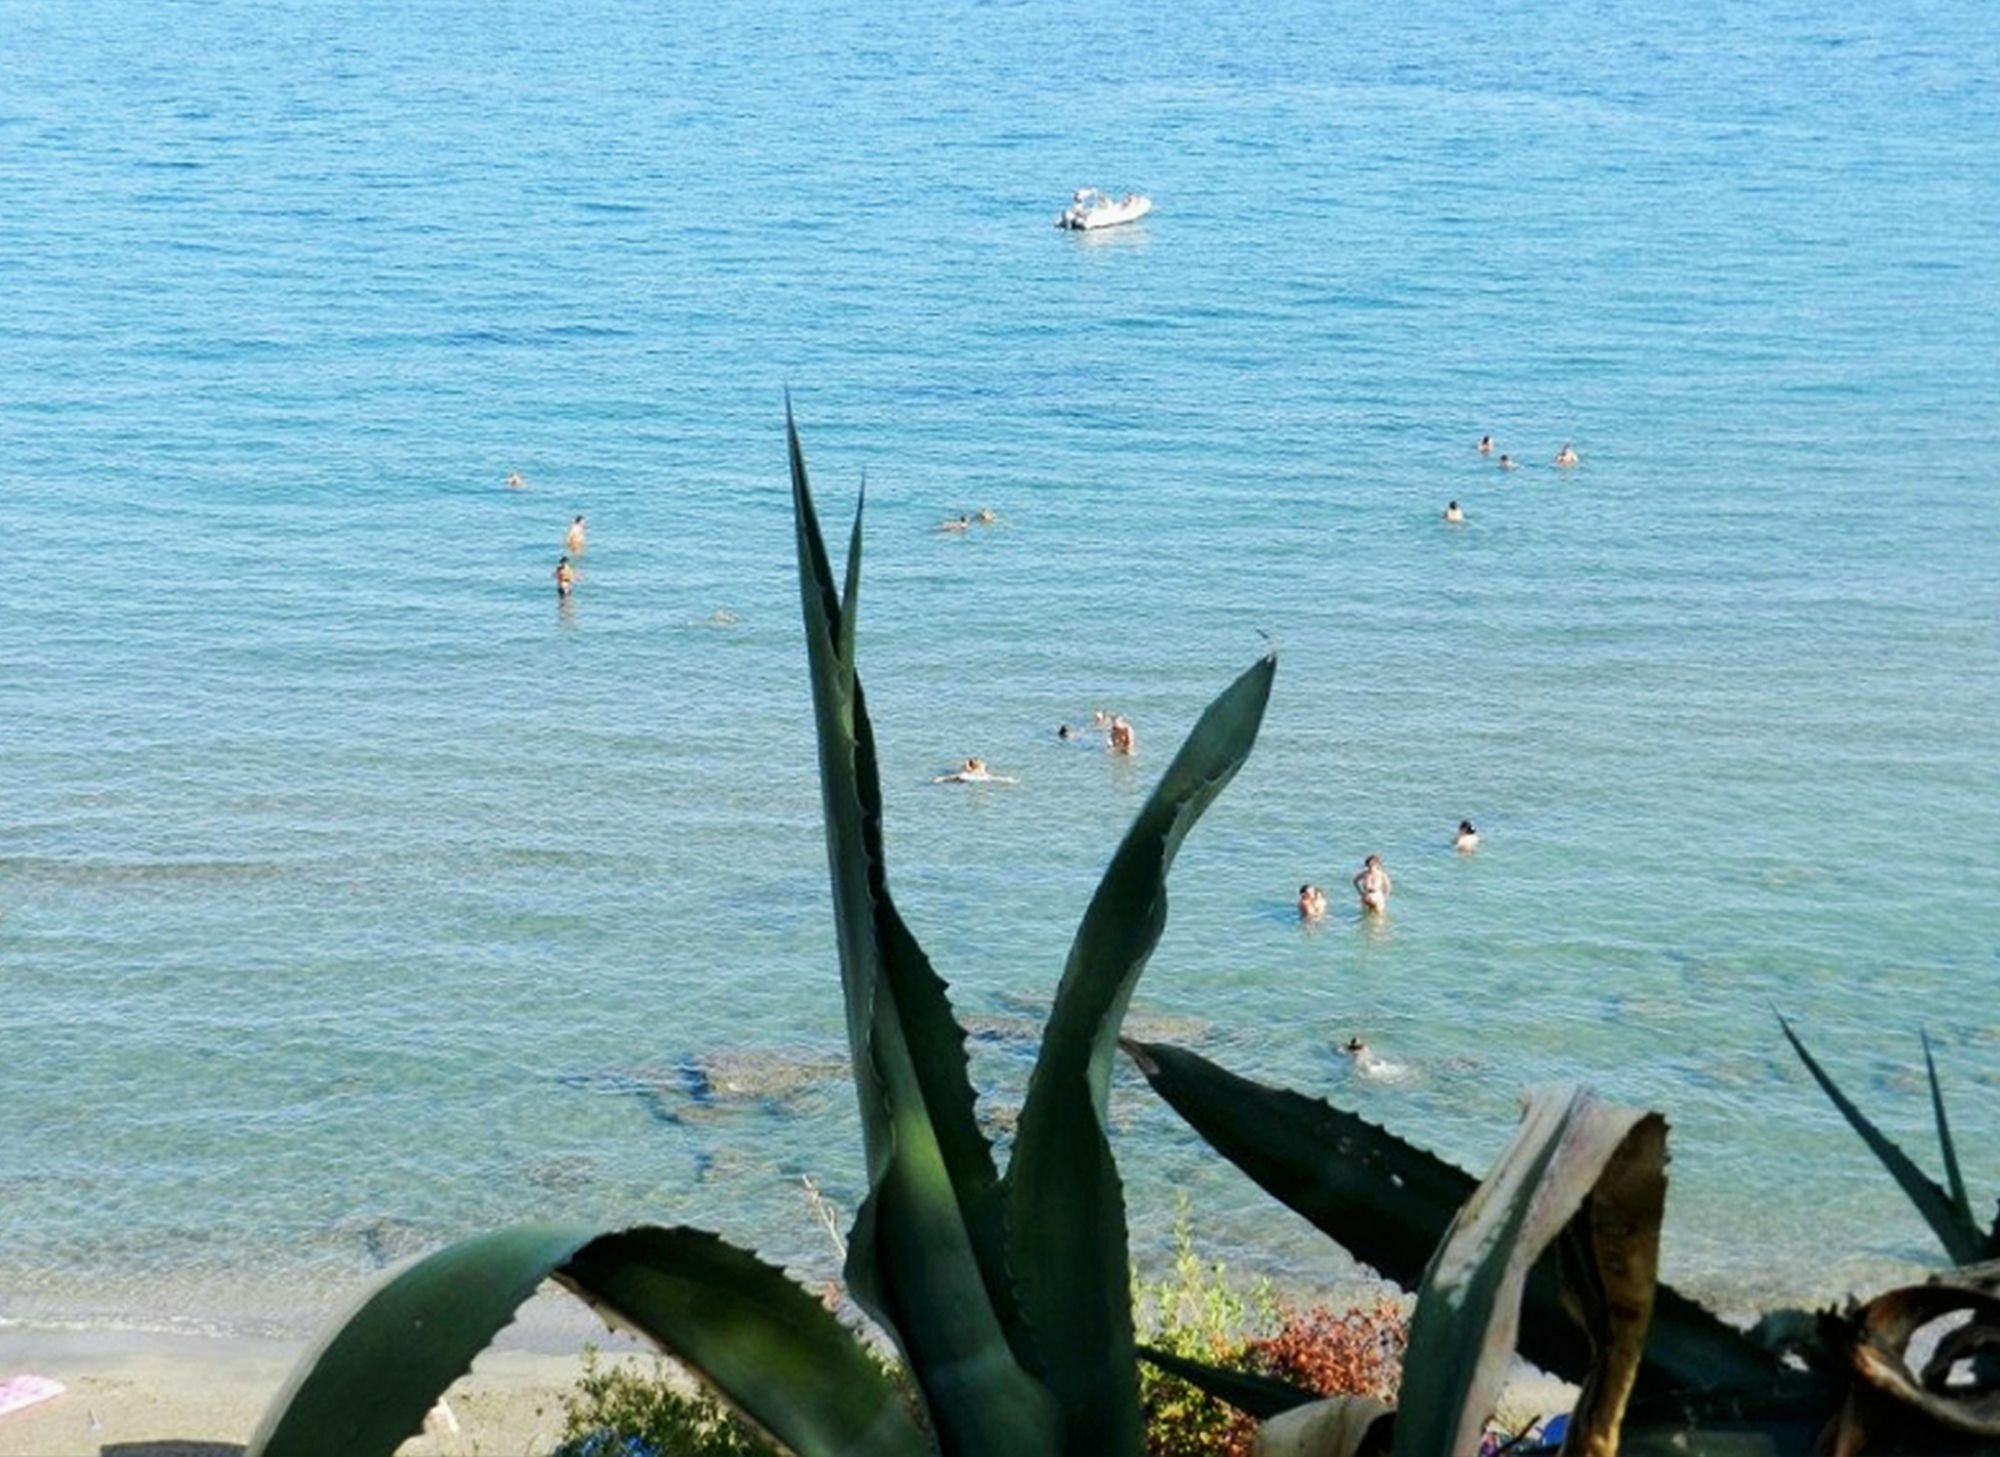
1197 1311
619 1410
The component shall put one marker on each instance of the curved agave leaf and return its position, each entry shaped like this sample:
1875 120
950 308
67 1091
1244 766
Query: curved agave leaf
766 1345
1881 1355
926 1256
1960 1235
1259 1396
1333 1426
1570 1149
1389 1203
1065 1206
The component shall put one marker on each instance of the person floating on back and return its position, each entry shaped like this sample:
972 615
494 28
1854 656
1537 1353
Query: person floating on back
972 771
956 523
565 578
1467 840
1454 515
1372 884
573 539
1566 457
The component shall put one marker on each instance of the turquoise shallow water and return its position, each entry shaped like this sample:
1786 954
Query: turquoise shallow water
353 897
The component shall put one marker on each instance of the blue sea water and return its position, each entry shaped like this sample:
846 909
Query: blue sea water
354 897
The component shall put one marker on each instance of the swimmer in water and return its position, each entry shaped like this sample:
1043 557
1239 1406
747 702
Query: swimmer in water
972 771
1372 884
985 516
1121 738
573 538
1100 720
1312 903
957 523
1370 1064
1468 838
565 578
722 617
1486 445
1066 733
1454 515
1507 462
1566 457
514 481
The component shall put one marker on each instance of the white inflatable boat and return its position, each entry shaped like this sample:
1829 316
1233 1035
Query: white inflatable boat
1090 208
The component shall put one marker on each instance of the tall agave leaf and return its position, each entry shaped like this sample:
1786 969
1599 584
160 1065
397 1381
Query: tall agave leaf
1066 1208
1954 1179
1574 1158
767 1346
926 1257
1948 1215
1389 1203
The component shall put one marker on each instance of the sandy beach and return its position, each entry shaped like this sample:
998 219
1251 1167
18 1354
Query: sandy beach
133 1395
146 1395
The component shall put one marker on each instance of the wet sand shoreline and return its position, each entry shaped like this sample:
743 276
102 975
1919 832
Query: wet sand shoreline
151 1393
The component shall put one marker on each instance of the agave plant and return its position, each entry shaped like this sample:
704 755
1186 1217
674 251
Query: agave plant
1952 1400
1947 1210
1579 1174
1797 1382
1390 1205
1007 1296
1396 1207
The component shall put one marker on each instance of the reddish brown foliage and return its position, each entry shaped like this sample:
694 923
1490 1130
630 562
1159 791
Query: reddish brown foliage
1358 1351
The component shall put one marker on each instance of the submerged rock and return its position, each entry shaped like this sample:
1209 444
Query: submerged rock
704 1085
1166 1027
385 1239
1024 1023
1017 1032
560 1173
758 1074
